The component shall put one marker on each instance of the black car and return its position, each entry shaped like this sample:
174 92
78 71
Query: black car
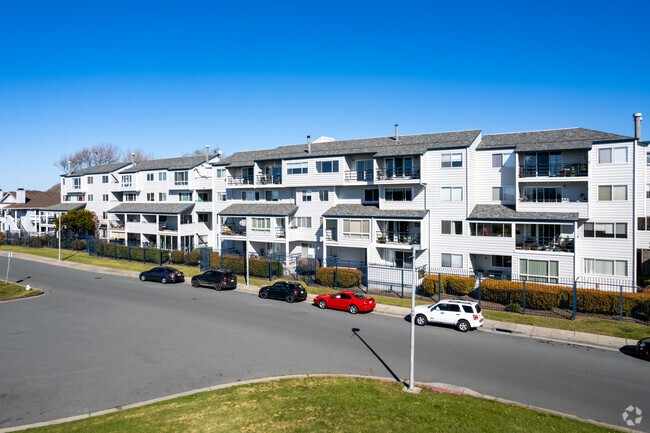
286 290
219 279
643 348
164 274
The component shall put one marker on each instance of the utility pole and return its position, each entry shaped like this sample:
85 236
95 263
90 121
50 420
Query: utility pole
411 387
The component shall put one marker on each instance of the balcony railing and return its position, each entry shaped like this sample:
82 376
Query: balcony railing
330 235
358 176
280 232
554 170
545 243
398 173
167 227
241 180
117 225
233 230
405 238
269 179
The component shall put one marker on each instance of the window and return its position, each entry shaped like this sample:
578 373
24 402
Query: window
80 198
272 195
502 261
606 267
162 196
90 197
222 196
76 183
184 196
452 193
127 181
105 215
130 196
612 192
452 227
307 249
302 222
356 229
150 196
150 177
105 179
399 194
371 194
261 225
220 173
612 155
89 180
497 160
204 196
542 194
297 168
491 229
327 166
323 195
104 197
452 260
250 195
162 175
400 259
203 217
306 195
452 160
186 219
539 270
605 230
503 160
506 193
180 178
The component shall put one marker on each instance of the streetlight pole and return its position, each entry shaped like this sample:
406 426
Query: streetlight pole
59 237
411 387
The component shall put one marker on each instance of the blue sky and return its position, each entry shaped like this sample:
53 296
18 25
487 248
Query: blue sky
171 77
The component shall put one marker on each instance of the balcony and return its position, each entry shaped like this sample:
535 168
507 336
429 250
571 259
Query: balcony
269 179
167 227
398 173
358 176
116 225
240 180
403 238
233 230
280 233
579 169
545 243
330 235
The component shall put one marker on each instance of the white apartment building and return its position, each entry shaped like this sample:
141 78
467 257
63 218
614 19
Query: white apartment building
545 205
26 210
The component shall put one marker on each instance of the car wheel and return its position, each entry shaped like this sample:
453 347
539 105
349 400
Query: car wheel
217 287
463 325
142 278
290 299
264 294
195 283
322 304
353 309
163 280
421 320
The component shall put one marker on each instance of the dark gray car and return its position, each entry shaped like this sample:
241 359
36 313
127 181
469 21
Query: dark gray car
217 279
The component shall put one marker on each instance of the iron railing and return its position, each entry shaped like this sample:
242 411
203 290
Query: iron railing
269 179
240 180
554 170
358 176
390 237
545 243
398 173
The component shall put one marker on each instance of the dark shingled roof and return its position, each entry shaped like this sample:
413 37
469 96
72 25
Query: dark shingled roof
378 147
64 207
97 169
180 163
260 209
501 212
553 139
157 208
359 210
38 199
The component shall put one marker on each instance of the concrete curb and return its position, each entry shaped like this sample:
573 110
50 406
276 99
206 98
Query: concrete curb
437 386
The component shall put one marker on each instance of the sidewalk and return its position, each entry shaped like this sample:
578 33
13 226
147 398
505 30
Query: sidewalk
574 337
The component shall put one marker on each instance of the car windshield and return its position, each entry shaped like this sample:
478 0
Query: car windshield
478 308
359 296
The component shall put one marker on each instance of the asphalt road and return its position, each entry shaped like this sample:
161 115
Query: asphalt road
98 341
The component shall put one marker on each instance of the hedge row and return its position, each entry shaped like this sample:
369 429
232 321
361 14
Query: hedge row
451 284
258 267
345 277
151 255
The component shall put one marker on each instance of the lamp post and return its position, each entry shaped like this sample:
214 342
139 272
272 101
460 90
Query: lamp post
60 236
411 387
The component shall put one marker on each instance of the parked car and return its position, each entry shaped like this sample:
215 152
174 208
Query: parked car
643 348
164 274
464 315
217 279
287 290
347 300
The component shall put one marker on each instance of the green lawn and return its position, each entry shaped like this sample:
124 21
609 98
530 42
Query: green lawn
324 405
9 291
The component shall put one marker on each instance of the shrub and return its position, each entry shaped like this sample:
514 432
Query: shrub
451 284
345 277
3 238
306 265
194 257
539 296
215 260
178 256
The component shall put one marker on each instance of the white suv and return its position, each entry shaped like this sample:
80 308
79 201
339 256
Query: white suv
462 314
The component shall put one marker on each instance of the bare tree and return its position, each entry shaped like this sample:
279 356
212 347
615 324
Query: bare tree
198 152
139 155
104 153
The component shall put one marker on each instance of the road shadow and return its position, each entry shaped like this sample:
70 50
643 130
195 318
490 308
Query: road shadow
355 331
70 256
23 279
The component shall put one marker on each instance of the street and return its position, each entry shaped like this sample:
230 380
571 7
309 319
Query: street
98 341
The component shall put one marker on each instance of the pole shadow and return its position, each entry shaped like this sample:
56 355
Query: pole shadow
355 331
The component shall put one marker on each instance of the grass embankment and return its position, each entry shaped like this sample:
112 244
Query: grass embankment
592 325
10 291
324 405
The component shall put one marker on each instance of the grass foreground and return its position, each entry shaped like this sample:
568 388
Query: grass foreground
324 405
11 291
607 327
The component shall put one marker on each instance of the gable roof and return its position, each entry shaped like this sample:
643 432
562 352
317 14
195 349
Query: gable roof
180 163
260 209
157 208
97 169
500 212
372 211
64 207
38 199
378 147
553 139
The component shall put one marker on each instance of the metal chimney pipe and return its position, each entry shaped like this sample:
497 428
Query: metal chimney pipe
396 133
207 153
309 144
69 166
638 117
133 158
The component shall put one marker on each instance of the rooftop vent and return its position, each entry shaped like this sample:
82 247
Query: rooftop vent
207 153
396 133
638 117
309 144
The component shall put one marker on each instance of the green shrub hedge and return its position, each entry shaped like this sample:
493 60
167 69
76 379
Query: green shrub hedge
346 277
451 284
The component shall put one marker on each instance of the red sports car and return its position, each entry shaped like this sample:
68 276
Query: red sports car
348 300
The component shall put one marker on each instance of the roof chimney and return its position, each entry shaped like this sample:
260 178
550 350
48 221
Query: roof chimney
133 158
69 166
638 117
207 153
20 195
309 144
396 133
